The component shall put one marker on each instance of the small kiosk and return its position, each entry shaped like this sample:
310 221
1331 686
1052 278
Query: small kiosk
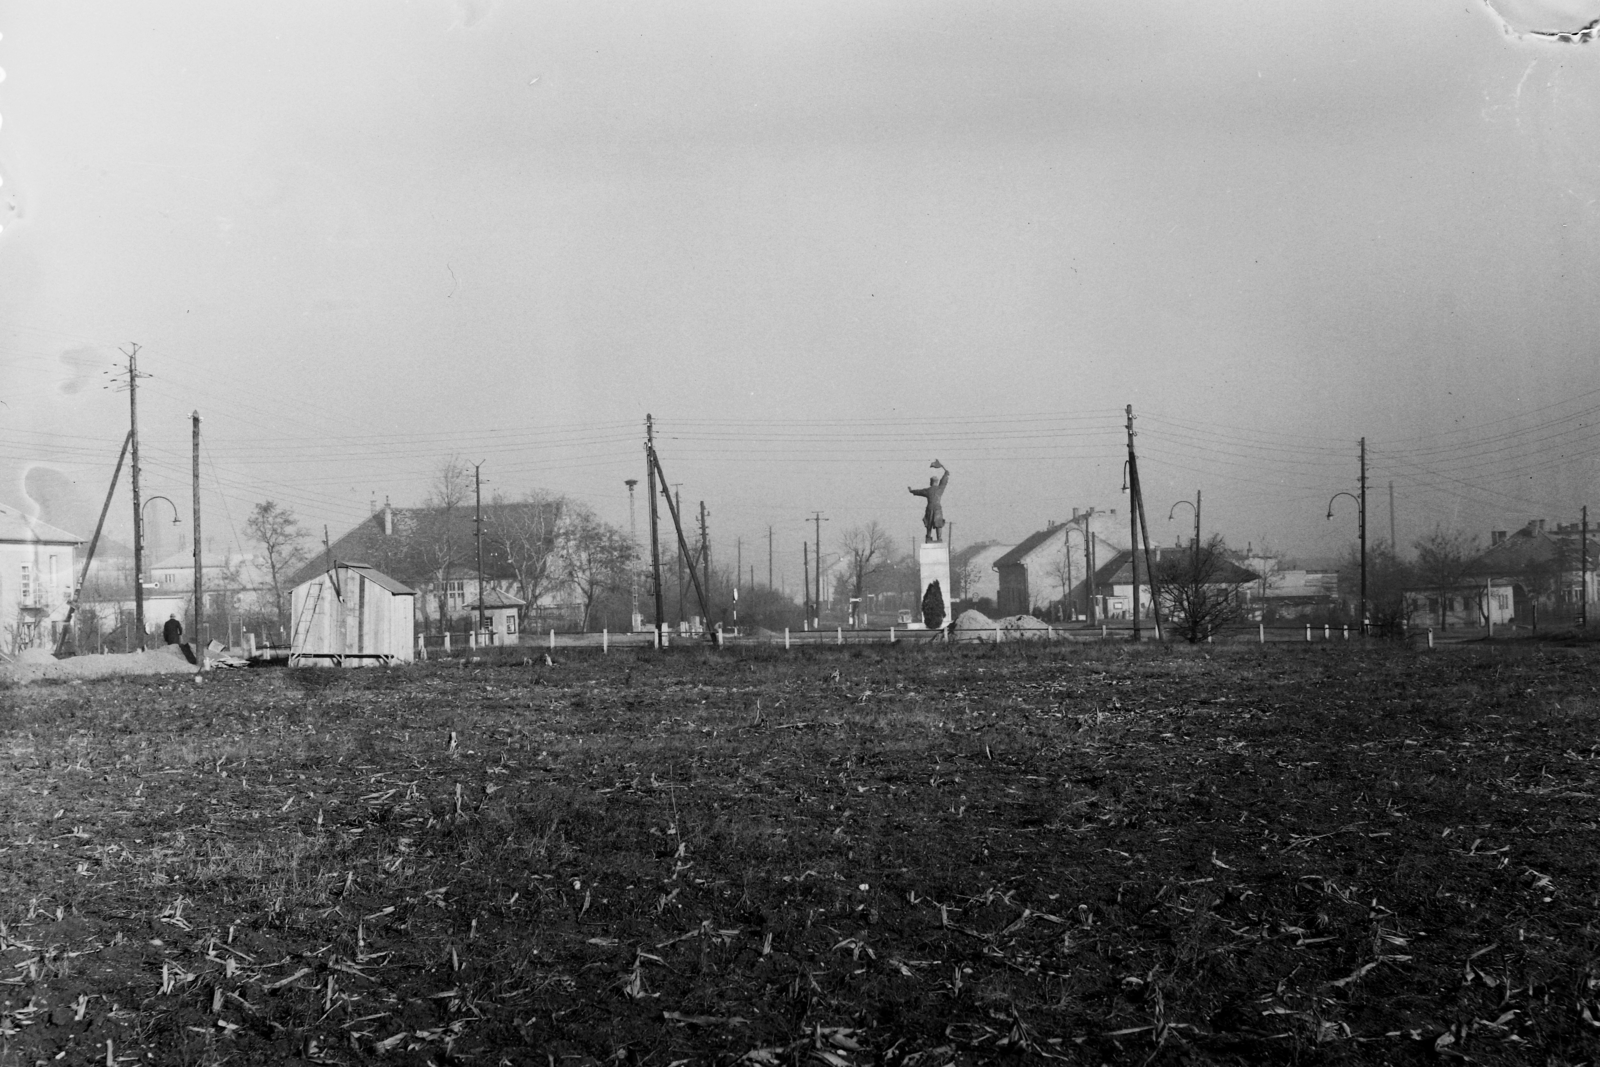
351 616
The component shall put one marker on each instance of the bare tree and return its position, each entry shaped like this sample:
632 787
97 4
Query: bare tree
436 539
525 536
1388 580
595 556
283 539
1201 589
1443 560
865 552
1062 569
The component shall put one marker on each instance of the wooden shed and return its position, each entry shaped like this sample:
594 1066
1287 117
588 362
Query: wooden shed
352 616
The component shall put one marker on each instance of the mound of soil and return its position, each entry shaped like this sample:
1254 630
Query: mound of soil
35 665
972 619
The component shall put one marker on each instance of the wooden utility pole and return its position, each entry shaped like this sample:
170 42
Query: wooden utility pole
817 517
133 472
1583 566
199 590
769 558
805 560
677 525
83 575
1363 536
675 508
1394 545
477 520
1133 529
655 524
1136 495
705 557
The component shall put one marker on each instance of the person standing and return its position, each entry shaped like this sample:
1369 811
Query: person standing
172 631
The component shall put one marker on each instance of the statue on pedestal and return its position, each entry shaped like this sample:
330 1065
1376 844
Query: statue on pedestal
933 514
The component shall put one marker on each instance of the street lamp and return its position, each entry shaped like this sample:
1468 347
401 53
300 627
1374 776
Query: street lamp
1196 506
1361 528
176 521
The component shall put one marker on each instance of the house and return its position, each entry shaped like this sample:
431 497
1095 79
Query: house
434 552
1126 568
1525 576
1049 567
37 572
351 616
500 613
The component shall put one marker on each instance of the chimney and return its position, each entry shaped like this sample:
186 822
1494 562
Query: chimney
1495 537
388 518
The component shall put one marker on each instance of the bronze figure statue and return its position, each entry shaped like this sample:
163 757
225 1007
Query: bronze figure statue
933 514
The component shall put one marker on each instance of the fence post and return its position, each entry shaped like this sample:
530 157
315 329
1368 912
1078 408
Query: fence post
1430 637
1308 631
1327 633
605 639
841 635
1347 633
1102 631
786 638
891 635
1261 628
552 639
997 634
447 640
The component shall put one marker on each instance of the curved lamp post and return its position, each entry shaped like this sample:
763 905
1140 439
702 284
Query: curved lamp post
1196 505
1361 530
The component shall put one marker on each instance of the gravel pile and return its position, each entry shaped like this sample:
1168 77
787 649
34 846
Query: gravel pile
37 664
972 619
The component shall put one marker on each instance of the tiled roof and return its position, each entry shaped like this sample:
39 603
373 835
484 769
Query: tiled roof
16 527
1026 546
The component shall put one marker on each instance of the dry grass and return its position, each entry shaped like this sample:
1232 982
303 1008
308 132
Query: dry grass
911 856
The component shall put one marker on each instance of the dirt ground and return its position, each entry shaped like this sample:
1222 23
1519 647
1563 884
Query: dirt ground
917 856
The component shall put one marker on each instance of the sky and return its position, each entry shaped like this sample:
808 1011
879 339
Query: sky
821 245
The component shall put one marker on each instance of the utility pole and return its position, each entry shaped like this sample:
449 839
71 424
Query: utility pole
138 519
805 557
817 518
655 522
633 540
1088 565
769 558
1583 556
1133 530
1363 536
1144 530
705 557
83 575
477 490
199 592
677 509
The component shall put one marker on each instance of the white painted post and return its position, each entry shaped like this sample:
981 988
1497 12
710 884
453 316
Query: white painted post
447 640
552 639
786 638
1261 628
841 635
250 642
1308 631
997 635
605 640
472 639
1326 633
891 635
1430 637
1347 633
1102 631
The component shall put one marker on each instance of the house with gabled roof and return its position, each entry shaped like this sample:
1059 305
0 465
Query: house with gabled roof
1052 566
1127 568
37 572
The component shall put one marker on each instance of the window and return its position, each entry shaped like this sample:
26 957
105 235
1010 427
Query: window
511 623
26 594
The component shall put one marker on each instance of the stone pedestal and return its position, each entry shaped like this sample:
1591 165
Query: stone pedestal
934 558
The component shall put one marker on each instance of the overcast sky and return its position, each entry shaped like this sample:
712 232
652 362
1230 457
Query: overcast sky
823 244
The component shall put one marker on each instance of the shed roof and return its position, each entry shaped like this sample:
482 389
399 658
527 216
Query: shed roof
17 528
376 577
499 598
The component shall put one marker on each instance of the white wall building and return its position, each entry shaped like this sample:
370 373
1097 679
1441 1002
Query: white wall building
38 564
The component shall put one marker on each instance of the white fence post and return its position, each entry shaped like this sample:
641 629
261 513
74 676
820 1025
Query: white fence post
1347 633
841 636
1261 628
552 639
997 634
447 640
786 638
605 639
1308 631
891 635
1430 637
1325 632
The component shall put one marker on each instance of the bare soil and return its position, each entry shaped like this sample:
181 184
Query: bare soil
900 855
